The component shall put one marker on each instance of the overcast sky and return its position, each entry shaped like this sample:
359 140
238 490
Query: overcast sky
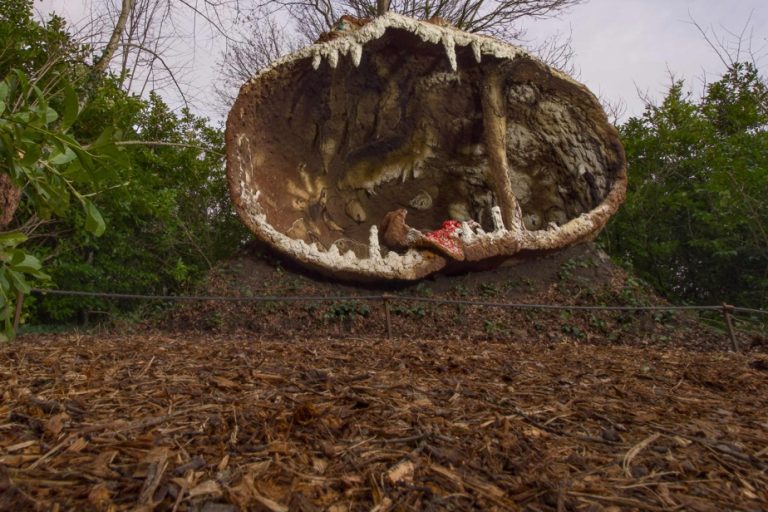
621 46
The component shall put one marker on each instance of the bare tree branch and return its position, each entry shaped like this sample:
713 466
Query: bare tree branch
101 65
494 17
265 42
557 51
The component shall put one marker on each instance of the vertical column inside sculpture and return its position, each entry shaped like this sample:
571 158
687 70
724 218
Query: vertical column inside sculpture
495 126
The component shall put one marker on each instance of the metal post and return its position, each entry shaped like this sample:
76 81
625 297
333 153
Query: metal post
385 299
17 313
729 324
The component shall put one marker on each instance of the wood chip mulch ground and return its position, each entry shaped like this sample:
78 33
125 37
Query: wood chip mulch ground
219 423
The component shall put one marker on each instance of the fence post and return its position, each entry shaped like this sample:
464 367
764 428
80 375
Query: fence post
729 324
385 299
17 313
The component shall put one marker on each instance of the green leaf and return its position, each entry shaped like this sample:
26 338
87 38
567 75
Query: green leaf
50 115
3 90
17 281
76 172
21 78
71 107
84 157
32 153
94 222
24 262
61 158
12 239
106 138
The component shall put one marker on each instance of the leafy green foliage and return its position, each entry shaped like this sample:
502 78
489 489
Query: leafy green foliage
43 159
16 268
695 223
170 220
150 218
39 152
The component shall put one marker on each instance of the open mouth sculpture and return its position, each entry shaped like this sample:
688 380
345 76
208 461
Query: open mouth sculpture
397 148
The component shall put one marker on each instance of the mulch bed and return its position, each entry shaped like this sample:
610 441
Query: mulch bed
230 422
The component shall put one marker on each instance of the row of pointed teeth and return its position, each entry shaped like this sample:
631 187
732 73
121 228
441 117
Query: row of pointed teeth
352 43
392 264
355 50
376 263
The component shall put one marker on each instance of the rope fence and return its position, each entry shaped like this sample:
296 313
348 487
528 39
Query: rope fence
726 310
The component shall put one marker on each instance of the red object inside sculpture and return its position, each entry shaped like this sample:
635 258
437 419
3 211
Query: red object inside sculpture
446 237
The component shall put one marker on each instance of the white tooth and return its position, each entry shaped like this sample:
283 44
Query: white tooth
350 256
418 167
392 258
333 58
477 51
498 222
377 31
333 252
374 250
450 50
466 232
517 219
552 226
316 60
429 35
357 54
463 39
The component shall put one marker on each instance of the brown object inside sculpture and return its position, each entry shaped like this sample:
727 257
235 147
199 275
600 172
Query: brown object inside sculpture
398 148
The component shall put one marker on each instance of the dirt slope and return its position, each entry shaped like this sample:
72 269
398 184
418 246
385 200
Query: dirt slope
580 275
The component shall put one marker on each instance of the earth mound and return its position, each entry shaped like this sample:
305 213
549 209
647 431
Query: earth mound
581 275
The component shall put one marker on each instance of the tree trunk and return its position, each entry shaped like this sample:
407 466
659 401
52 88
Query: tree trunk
382 6
10 195
106 57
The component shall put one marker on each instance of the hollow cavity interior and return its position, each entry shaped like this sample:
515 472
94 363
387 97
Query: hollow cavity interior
330 151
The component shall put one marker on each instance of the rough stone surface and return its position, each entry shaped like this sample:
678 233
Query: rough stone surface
330 145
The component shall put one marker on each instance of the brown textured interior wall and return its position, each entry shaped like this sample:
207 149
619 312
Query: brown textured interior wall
334 150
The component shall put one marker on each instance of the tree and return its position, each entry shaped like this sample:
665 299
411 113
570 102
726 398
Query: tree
155 213
43 167
499 18
169 222
146 43
695 223
266 39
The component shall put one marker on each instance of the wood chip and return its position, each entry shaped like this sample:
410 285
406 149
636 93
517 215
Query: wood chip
401 472
205 488
219 422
